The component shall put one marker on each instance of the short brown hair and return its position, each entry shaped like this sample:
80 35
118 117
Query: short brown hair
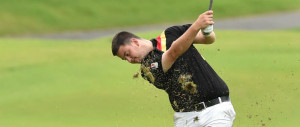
122 38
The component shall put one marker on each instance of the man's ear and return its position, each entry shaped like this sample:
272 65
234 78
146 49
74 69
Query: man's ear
134 41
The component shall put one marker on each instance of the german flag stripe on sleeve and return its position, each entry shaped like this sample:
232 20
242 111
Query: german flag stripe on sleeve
161 42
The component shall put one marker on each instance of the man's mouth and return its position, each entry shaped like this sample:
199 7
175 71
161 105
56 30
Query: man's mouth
136 60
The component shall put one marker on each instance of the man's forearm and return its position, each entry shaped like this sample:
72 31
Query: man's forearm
210 39
201 39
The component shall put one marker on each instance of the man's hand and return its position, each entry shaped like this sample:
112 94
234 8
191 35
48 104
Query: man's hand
204 20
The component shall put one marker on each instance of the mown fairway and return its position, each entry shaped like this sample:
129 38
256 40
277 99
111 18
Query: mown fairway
48 16
79 84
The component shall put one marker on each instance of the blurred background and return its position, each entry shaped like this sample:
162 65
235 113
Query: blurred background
57 69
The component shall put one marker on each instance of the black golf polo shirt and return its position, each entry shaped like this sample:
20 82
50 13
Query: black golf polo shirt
189 81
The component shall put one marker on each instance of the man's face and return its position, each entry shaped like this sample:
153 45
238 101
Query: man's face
130 52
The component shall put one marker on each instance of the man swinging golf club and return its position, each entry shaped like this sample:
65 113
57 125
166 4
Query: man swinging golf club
199 97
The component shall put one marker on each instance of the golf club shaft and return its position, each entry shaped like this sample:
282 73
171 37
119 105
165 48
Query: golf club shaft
210 4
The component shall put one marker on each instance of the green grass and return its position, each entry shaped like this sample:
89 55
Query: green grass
47 16
295 29
45 83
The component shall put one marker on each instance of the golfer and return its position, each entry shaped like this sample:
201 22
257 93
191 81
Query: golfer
199 97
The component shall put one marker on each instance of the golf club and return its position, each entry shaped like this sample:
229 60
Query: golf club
206 31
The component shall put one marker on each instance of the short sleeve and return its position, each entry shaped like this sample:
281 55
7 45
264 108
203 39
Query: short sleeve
174 32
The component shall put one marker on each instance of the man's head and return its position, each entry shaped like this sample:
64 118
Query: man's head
129 47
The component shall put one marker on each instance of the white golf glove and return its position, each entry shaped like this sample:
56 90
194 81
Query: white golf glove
206 31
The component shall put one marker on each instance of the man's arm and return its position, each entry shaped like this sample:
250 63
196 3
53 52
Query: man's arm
180 45
201 39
